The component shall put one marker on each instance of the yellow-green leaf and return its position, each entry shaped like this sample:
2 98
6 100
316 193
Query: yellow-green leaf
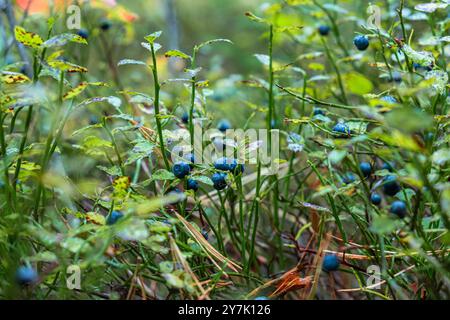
29 39
356 83
75 91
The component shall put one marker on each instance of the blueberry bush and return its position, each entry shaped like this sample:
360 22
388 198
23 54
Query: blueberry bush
97 202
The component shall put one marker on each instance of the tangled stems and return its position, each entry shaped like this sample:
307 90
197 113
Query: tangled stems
157 88
191 109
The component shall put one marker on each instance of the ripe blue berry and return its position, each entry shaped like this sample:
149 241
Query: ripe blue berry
366 168
205 234
389 99
185 117
224 125
113 217
398 208
397 77
261 298
341 128
318 111
418 66
324 30
348 178
375 198
390 185
361 42
219 180
330 263
83 33
192 184
181 169
26 275
389 166
105 24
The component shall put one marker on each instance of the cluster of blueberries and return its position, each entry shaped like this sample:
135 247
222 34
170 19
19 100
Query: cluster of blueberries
390 187
361 42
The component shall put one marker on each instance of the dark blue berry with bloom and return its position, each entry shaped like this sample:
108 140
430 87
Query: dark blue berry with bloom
390 185
389 99
113 217
324 30
375 198
318 111
185 117
181 169
26 275
83 33
205 234
219 180
341 128
348 178
330 263
192 184
389 166
366 168
105 24
398 208
361 42
224 125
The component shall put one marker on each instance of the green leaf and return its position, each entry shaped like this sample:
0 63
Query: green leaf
114 101
62 39
409 119
356 83
336 156
203 179
131 61
152 37
206 43
255 18
163 174
176 53
384 224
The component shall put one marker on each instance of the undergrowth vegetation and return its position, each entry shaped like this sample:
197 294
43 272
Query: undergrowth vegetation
93 183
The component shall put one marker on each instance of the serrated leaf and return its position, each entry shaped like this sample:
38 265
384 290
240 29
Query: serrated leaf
177 54
29 39
63 39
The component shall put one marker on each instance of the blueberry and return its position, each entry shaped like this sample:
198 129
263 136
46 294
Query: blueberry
113 217
192 184
219 180
189 157
318 111
261 298
83 33
330 263
324 30
361 42
26 275
181 169
348 178
390 185
418 66
389 166
205 234
105 24
225 164
185 117
397 77
224 125
273 124
93 120
365 168
375 198
398 208
341 128
389 99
